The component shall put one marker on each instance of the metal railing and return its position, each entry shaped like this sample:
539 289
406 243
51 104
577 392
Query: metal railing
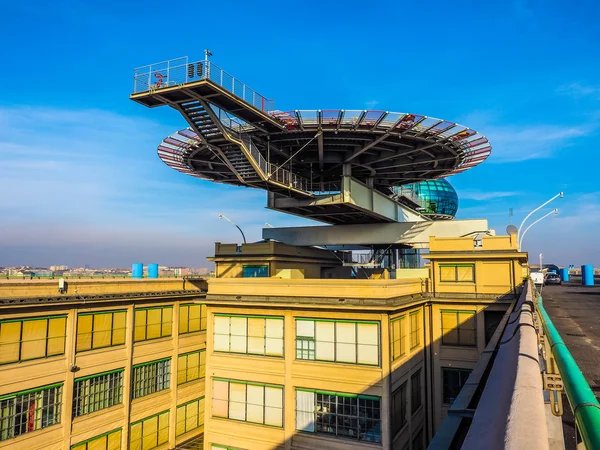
180 71
584 404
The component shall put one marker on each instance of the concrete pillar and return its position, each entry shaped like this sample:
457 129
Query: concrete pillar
347 170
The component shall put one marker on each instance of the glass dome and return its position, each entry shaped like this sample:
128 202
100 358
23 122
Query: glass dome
434 198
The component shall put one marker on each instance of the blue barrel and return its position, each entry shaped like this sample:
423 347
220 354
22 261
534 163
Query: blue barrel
564 274
553 270
152 270
587 275
137 270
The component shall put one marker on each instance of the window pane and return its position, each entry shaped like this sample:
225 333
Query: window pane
273 406
325 340
114 440
256 336
194 318
140 325
163 428
150 433
154 323
237 401
449 328
255 403
238 334
447 273
135 434
305 328
118 334
183 318
274 344
34 339
191 416
102 330
181 369
305 411
220 398
57 328
221 334
368 343
167 322
10 335
465 273
193 364
346 342
98 444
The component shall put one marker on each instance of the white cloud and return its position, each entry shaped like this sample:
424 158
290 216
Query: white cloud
486 195
578 90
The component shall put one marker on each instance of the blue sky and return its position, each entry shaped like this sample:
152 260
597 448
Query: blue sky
80 182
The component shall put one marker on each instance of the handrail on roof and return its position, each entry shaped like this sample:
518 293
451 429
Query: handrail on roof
180 71
584 404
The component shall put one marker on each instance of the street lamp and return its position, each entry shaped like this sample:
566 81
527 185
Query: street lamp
222 216
554 211
519 237
268 225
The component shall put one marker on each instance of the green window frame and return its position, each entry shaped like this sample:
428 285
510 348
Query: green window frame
150 432
459 328
340 341
153 323
29 338
398 327
246 401
399 409
100 329
111 441
27 411
223 447
457 273
150 377
190 416
192 318
344 415
248 335
191 366
415 329
98 391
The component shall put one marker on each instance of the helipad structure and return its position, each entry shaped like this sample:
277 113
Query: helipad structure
333 165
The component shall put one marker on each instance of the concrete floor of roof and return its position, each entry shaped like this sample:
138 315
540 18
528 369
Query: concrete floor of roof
575 311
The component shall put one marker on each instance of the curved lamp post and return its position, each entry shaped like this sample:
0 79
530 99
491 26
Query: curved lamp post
222 216
554 211
268 225
519 237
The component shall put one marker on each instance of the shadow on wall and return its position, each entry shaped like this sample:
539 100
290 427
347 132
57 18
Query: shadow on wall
423 368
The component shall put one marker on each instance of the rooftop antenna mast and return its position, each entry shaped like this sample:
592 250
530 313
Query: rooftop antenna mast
207 54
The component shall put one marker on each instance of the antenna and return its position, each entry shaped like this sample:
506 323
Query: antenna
207 54
510 214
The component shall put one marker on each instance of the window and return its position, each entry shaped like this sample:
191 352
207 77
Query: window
453 381
343 415
150 432
32 338
97 392
341 341
458 328
457 272
190 416
415 391
398 328
417 442
106 441
415 329
191 366
255 271
28 411
150 377
252 335
100 329
248 402
153 323
398 409
192 318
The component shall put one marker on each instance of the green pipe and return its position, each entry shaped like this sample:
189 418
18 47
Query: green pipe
582 399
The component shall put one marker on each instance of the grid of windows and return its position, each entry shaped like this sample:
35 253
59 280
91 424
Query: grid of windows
255 271
457 272
415 391
191 366
458 328
190 416
192 318
150 432
398 327
153 323
100 329
97 392
32 338
338 341
28 411
248 402
150 377
398 409
106 441
453 380
339 414
415 329
252 335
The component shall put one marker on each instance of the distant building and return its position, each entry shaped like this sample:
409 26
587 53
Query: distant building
58 268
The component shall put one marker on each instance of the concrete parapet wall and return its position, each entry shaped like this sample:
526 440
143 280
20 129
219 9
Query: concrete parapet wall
510 413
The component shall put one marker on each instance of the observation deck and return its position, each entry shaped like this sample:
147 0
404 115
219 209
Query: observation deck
309 161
